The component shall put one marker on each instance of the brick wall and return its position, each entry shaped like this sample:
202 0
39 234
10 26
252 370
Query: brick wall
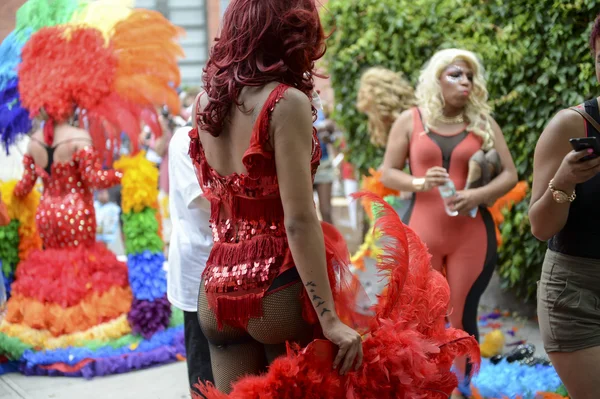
8 9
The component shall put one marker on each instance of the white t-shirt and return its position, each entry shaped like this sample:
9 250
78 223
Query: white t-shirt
191 236
12 163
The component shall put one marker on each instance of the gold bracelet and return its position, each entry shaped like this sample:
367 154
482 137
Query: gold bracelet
418 183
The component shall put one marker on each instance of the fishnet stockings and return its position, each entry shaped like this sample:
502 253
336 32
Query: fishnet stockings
235 352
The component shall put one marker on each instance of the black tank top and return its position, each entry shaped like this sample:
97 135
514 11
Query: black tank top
581 234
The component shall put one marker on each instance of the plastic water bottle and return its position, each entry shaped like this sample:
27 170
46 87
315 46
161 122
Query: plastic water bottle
448 192
473 212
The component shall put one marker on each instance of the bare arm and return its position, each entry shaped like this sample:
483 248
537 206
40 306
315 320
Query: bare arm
507 179
27 182
396 153
394 160
162 143
199 201
292 138
554 159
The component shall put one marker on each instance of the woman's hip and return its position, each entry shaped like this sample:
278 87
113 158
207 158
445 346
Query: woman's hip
568 297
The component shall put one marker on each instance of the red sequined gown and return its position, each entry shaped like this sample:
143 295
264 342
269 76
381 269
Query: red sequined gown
250 243
73 283
408 352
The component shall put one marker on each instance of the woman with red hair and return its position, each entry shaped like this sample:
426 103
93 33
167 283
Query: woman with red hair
256 154
275 274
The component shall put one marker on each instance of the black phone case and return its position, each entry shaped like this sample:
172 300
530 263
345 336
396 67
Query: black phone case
585 143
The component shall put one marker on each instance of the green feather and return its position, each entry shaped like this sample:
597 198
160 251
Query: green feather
37 14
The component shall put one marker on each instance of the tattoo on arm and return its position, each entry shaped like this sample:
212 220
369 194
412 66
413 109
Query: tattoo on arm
317 299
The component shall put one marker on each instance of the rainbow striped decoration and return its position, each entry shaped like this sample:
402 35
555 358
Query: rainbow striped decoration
19 237
124 343
150 311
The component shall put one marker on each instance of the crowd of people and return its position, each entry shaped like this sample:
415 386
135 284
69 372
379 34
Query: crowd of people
260 273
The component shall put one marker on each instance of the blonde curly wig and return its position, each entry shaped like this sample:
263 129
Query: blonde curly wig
383 95
431 102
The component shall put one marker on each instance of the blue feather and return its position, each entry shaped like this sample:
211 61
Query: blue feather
14 119
10 55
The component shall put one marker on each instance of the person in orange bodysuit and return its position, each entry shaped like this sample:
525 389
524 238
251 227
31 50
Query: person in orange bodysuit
451 123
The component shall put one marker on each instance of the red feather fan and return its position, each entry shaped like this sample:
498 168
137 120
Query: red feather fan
408 352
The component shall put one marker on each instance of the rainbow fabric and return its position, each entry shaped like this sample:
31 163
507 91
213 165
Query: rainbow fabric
19 237
150 334
150 310
112 66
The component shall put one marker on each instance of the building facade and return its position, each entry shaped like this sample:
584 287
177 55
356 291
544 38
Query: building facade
201 20
192 16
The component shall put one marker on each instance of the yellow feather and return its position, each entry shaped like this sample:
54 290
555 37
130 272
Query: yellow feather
103 15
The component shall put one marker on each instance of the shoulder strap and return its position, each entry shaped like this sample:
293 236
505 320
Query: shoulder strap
418 124
260 135
581 111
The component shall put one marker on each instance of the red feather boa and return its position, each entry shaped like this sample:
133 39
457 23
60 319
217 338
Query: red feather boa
408 352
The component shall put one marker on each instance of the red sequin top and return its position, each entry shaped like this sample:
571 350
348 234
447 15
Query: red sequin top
65 217
250 244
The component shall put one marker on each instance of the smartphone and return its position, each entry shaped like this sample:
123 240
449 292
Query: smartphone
585 143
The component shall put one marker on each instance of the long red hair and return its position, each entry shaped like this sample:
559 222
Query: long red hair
261 41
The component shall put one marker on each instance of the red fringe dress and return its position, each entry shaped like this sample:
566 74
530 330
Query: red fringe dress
408 351
250 243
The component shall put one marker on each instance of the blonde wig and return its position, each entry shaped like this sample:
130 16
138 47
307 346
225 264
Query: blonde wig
382 96
431 102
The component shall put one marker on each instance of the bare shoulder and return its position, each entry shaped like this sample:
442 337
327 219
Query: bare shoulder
402 126
201 101
37 135
78 133
37 138
406 117
564 125
554 140
494 124
294 97
294 106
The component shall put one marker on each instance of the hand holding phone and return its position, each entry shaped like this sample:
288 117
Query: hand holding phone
580 165
586 143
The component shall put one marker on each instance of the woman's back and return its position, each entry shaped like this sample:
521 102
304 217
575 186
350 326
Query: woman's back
225 152
66 141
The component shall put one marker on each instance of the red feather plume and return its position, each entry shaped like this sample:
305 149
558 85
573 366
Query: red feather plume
408 353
